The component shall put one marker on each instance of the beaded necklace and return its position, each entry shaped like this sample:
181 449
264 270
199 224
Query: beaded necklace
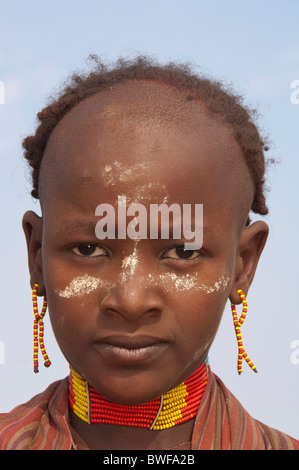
175 407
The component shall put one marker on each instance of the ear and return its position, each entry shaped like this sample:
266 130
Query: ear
33 229
251 245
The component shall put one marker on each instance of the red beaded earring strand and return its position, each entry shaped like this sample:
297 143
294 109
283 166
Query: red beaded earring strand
237 324
38 330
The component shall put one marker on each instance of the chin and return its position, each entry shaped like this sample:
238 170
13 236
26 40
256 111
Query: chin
128 392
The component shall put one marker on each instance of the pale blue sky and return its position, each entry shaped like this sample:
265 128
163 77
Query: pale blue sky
253 45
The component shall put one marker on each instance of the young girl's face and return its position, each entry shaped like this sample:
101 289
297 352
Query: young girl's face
135 317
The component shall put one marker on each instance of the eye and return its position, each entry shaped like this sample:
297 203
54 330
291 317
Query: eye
179 252
89 250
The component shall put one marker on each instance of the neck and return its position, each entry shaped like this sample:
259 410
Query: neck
174 407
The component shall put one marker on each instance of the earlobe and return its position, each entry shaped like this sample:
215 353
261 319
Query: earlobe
251 244
33 229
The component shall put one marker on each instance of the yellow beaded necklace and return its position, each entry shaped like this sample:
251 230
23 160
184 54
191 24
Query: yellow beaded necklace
175 407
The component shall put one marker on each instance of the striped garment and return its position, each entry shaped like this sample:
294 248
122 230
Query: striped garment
221 423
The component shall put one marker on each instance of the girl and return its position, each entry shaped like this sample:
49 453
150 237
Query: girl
135 314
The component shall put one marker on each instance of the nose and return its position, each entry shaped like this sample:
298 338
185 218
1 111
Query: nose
133 299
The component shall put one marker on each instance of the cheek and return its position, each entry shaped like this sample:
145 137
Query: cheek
197 312
66 319
77 300
180 284
73 318
79 286
201 315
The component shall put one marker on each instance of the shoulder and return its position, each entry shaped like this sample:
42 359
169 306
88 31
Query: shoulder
277 440
223 423
35 423
255 434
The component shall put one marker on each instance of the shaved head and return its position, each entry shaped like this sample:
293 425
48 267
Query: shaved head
144 112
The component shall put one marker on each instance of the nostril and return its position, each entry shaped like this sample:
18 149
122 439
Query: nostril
153 312
131 305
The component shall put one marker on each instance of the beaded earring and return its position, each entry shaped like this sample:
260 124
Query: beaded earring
38 330
237 324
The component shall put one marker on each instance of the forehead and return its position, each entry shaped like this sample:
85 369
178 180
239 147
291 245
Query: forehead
148 104
141 130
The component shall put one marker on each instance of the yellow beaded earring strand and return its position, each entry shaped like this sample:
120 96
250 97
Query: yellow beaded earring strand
38 330
237 324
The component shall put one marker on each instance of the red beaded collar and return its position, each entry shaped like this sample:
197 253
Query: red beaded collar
175 407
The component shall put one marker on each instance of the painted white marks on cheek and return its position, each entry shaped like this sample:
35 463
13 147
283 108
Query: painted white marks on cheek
188 282
218 286
185 282
191 283
82 285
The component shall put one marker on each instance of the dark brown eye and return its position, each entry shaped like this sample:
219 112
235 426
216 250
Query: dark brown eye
89 250
184 254
179 252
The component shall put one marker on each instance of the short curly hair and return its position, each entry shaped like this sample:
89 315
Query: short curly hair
218 99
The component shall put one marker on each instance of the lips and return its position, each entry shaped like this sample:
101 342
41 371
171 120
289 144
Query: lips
130 350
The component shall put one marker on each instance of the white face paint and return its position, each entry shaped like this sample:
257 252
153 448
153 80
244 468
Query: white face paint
82 285
143 193
129 263
117 172
188 282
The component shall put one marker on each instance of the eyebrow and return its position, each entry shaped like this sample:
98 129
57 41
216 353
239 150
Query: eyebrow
208 232
78 225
